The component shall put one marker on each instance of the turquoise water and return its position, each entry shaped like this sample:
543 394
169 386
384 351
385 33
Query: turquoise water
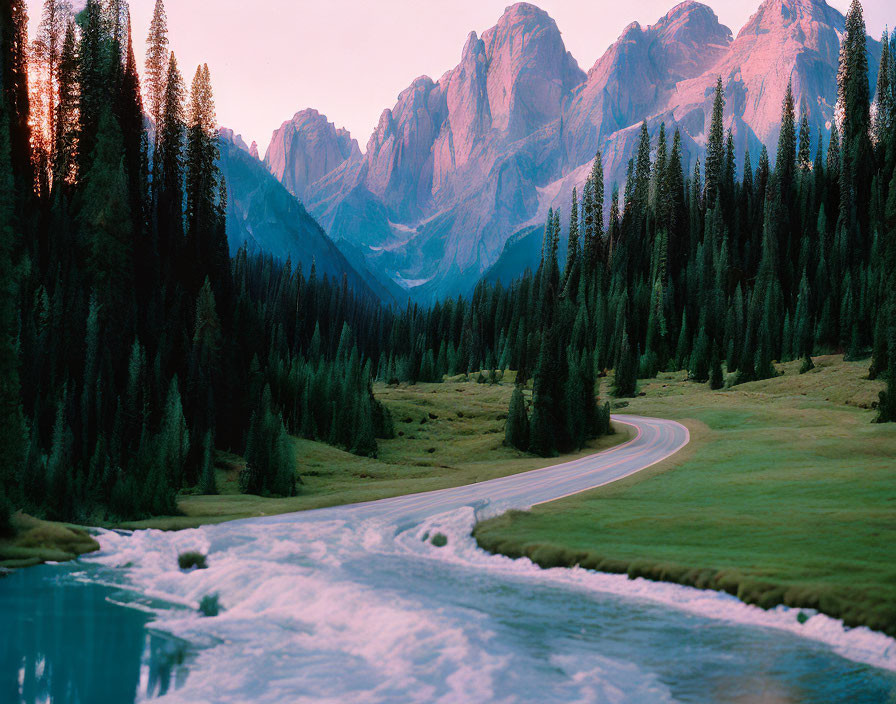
68 641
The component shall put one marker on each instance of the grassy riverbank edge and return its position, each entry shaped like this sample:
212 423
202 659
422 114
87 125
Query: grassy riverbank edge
35 542
784 496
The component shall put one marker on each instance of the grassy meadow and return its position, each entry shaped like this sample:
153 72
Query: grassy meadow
447 435
786 494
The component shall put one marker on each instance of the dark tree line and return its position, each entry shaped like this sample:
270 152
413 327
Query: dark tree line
133 346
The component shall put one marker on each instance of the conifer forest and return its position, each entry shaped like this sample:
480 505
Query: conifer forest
135 344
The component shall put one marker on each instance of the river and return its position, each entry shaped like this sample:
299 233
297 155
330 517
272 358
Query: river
356 604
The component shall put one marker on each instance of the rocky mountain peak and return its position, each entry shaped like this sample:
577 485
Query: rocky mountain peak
779 16
693 22
456 166
307 148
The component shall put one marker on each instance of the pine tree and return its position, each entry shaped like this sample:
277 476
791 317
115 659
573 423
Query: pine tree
157 63
207 482
46 57
716 377
804 156
364 443
853 111
785 162
108 226
174 437
625 383
12 426
205 362
715 149
129 112
700 360
202 180
516 430
94 76
547 386
884 114
886 409
573 252
170 158
65 155
14 87
593 218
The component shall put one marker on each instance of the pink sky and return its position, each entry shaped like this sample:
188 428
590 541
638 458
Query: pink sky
349 59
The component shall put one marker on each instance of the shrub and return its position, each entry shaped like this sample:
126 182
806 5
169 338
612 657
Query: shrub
802 617
808 365
192 559
439 540
210 605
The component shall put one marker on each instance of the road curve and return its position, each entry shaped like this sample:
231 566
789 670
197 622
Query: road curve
655 440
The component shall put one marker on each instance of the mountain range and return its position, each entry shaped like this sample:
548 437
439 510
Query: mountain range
460 172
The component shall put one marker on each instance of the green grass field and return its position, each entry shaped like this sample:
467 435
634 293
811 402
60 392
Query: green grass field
786 494
447 435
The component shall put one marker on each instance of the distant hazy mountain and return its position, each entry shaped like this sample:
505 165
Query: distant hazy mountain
264 215
459 165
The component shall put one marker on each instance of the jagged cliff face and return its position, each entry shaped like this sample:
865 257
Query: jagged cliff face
785 40
634 79
307 148
458 165
263 216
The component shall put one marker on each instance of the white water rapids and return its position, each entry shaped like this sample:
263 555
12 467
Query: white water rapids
355 604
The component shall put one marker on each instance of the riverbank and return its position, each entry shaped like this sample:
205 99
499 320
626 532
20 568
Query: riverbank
35 541
785 496
447 435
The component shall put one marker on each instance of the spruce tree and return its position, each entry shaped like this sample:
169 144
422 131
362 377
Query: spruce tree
716 377
157 63
715 148
169 155
207 483
14 87
804 155
94 77
625 383
65 156
886 409
12 426
785 162
516 429
108 228
202 182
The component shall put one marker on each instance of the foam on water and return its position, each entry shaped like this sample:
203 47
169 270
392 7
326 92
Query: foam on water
297 625
858 644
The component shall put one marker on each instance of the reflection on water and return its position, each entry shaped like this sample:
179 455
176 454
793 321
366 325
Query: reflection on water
63 641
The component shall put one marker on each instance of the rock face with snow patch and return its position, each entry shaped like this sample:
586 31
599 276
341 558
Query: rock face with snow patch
458 165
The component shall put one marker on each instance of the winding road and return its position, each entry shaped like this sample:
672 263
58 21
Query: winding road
655 440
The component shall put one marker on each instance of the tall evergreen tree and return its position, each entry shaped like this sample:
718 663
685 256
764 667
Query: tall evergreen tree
157 63
12 426
785 163
715 148
516 430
